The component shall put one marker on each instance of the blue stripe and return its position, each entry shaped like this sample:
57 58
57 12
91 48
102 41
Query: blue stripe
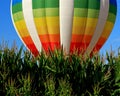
16 1
113 2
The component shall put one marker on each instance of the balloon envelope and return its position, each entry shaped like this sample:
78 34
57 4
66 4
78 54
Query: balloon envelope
82 25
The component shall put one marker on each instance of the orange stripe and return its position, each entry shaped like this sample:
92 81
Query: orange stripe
79 43
77 38
53 38
87 38
101 41
78 30
27 40
81 38
44 38
106 33
81 30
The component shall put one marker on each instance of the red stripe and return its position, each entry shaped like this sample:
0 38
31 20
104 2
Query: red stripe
33 49
99 44
30 45
79 47
50 46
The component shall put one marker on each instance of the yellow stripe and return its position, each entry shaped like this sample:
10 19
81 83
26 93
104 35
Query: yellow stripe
52 21
91 22
79 25
42 30
105 34
52 25
51 30
22 29
91 26
40 21
81 30
107 30
78 30
84 25
41 26
79 21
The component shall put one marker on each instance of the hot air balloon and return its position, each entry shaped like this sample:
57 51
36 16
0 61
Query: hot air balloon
82 25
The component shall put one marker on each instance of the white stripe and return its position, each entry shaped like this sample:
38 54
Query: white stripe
28 16
66 20
103 15
15 26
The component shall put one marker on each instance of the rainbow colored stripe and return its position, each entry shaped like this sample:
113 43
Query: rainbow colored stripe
46 18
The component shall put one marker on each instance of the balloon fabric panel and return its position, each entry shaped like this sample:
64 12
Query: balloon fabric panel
46 17
46 21
84 23
21 26
109 24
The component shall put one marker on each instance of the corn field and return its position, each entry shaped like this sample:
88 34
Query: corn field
57 74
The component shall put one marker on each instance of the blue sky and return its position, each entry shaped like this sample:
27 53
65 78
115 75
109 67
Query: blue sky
8 33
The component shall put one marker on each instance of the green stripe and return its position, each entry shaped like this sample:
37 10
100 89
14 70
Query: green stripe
113 9
93 13
90 13
50 12
45 4
18 16
111 17
112 13
52 3
54 12
90 4
39 12
38 4
17 8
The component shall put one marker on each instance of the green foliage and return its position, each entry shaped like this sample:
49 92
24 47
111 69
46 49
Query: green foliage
57 74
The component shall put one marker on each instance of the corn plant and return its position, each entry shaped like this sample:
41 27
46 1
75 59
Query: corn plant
58 74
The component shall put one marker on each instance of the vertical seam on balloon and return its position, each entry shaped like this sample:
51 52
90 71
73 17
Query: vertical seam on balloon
103 14
49 47
83 42
32 29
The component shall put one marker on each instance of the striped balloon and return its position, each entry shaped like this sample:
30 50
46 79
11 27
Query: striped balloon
82 25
